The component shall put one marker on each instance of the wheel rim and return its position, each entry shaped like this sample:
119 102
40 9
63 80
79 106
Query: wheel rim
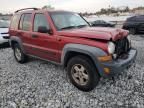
18 54
80 74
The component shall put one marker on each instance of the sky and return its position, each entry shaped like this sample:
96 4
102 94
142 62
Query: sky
8 6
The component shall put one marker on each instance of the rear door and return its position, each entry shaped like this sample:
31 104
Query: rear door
45 45
25 31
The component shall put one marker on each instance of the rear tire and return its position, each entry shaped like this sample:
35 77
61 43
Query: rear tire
19 55
82 73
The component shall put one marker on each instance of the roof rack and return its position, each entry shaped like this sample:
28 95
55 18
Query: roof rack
26 9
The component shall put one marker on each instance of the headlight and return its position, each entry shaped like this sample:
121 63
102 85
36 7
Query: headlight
129 39
111 47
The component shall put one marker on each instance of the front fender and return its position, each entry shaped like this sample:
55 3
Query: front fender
92 52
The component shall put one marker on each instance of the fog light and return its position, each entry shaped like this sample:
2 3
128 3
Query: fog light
107 70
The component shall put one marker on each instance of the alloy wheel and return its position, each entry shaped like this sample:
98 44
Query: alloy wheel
80 74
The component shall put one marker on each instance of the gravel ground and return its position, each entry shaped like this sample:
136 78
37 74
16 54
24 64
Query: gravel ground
39 84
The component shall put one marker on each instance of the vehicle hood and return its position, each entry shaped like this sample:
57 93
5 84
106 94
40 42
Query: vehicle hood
4 30
102 33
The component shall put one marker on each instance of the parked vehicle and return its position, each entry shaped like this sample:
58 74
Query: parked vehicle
4 36
102 23
65 38
134 24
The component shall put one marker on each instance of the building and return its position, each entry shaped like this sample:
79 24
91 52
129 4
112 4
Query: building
138 11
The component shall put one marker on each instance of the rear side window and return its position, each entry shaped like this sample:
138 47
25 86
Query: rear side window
25 22
131 19
40 20
15 22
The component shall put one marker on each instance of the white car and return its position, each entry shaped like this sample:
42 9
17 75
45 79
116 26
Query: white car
4 36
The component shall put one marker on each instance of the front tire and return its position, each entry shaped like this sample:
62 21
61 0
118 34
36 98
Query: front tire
19 55
82 73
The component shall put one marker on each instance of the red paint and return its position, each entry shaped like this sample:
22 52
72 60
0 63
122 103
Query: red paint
50 46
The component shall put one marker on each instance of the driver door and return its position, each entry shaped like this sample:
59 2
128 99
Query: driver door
45 44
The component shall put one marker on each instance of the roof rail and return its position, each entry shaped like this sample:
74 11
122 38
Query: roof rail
26 9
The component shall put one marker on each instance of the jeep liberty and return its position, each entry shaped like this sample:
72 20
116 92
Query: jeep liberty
66 38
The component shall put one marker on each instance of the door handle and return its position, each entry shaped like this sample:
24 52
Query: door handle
34 36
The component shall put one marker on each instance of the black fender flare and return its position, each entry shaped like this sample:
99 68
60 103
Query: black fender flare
18 40
92 52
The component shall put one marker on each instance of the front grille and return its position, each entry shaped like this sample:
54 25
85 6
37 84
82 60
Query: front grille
122 47
6 37
4 33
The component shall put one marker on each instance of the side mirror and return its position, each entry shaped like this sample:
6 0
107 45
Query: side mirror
91 24
43 29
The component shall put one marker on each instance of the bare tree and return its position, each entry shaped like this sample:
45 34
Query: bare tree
47 7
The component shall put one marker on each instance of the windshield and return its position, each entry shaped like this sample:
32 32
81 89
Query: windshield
67 20
4 24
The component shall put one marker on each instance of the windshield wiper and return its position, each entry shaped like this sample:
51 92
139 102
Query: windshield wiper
81 26
69 27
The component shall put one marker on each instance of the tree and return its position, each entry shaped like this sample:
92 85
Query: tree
103 11
127 9
47 7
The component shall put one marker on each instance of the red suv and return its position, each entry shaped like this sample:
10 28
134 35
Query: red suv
66 38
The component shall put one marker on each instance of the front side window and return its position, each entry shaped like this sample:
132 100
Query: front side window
67 20
131 19
25 23
97 22
40 20
140 18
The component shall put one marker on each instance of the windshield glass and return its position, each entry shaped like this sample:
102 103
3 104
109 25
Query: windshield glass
67 20
4 24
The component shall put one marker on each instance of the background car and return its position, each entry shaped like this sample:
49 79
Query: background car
102 23
4 36
134 24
